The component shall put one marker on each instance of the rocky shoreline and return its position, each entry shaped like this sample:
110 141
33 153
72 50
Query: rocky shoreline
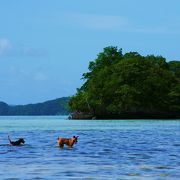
140 115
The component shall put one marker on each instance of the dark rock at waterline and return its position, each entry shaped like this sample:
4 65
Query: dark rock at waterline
128 115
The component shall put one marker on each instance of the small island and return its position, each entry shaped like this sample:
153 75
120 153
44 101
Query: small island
128 86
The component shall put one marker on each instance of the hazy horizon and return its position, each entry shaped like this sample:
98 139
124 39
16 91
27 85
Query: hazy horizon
46 46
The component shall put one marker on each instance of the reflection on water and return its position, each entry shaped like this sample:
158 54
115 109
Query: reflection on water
106 149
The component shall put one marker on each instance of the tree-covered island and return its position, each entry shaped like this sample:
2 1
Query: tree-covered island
128 86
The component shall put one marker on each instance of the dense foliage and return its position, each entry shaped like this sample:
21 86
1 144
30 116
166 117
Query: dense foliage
128 83
53 107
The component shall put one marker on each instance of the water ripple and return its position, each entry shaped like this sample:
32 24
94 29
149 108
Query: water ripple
106 149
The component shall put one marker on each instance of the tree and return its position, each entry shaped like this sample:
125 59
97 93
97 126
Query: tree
128 83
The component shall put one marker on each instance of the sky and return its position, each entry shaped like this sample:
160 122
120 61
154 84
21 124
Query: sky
46 45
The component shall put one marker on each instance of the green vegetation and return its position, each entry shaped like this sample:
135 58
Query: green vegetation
53 107
128 83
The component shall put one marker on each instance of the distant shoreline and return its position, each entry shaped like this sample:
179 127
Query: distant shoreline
51 107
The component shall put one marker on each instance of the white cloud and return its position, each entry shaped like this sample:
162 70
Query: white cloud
31 52
26 74
5 46
100 22
40 77
117 23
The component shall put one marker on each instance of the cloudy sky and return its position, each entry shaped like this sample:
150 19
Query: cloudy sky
46 45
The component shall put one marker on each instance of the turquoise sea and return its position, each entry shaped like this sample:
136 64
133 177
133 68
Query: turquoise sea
107 149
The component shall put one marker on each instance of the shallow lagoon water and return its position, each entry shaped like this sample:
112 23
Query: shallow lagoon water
107 149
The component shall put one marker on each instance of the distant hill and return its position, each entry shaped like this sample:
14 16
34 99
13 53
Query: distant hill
53 107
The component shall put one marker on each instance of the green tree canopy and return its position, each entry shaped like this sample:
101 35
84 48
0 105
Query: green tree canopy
117 83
